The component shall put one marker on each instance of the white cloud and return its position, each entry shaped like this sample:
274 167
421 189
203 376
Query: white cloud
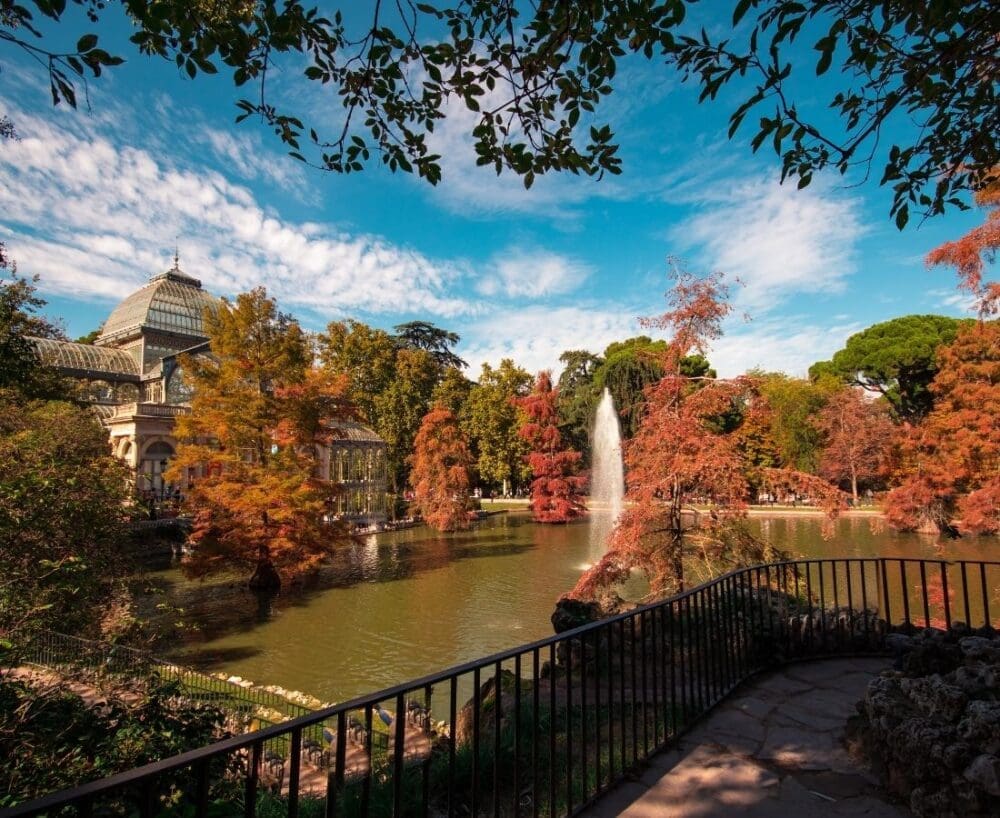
96 219
536 336
954 300
532 274
788 344
779 241
246 155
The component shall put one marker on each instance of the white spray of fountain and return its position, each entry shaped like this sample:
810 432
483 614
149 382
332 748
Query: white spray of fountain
607 476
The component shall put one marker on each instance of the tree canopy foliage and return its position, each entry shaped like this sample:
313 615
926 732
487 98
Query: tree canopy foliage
492 421
51 740
535 78
258 412
895 359
440 473
557 486
62 516
685 452
792 404
970 253
62 494
20 367
393 379
438 342
857 438
951 461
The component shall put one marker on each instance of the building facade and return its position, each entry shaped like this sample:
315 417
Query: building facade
132 377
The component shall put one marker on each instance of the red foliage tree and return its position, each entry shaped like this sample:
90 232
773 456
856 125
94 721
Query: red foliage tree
857 437
969 254
684 455
556 487
951 461
258 413
440 471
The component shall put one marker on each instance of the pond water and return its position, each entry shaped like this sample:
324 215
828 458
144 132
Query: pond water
408 603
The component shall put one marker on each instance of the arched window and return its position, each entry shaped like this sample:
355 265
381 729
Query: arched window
99 391
155 461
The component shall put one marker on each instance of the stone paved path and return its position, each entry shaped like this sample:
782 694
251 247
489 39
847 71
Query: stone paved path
773 749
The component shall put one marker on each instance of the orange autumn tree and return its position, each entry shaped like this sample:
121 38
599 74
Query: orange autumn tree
685 455
439 473
556 488
951 461
857 438
259 411
970 254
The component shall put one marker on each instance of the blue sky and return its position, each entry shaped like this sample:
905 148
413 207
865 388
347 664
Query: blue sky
93 201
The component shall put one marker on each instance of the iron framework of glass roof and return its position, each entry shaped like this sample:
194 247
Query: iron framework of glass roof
170 302
87 359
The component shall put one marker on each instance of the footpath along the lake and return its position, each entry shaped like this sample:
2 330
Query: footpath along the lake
774 750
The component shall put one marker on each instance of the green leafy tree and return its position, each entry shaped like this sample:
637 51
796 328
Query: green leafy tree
365 356
629 367
62 509
400 408
896 359
792 405
452 391
257 416
50 739
90 337
578 398
438 342
536 76
20 367
492 422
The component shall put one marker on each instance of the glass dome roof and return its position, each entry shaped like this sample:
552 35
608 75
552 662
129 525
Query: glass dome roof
171 302
84 358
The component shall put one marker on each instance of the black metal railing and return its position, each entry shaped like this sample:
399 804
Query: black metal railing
544 729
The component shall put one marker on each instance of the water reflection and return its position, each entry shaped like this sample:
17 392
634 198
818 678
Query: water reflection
411 602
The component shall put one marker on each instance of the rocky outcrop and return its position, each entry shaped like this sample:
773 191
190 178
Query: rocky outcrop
932 726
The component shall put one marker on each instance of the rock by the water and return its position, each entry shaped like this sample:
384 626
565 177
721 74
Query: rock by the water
572 613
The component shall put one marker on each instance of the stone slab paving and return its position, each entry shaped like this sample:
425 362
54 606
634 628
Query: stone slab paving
775 748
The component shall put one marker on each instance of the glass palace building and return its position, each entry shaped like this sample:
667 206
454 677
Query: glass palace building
132 377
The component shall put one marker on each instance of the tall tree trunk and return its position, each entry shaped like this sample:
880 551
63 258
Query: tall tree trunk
265 576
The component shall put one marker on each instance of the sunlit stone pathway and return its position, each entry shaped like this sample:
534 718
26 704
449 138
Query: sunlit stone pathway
773 749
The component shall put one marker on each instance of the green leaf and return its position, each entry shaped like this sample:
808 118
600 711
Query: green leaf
740 11
824 62
86 42
902 217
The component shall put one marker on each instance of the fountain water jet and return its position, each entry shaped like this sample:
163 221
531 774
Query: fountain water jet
607 476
